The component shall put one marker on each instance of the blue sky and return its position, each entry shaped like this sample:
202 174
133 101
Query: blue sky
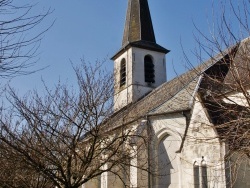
92 29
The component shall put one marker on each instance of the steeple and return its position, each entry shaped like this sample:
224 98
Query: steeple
140 64
139 31
138 26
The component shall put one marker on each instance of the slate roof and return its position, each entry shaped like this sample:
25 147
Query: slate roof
181 101
177 94
172 96
138 25
235 78
230 119
241 63
139 31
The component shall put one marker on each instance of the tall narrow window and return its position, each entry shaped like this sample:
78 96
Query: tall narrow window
204 173
123 72
196 175
200 174
149 69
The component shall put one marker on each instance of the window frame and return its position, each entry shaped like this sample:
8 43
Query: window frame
200 174
149 69
123 73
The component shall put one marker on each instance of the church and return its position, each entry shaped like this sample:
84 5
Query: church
188 147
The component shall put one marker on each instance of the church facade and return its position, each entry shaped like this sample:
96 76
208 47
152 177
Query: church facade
186 146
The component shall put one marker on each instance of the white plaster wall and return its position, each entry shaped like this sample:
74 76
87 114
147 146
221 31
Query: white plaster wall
93 183
135 86
202 144
238 164
168 168
138 67
127 55
172 123
123 96
139 91
168 131
237 98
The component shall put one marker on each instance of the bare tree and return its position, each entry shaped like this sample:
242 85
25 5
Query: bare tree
224 89
18 40
231 75
68 136
15 173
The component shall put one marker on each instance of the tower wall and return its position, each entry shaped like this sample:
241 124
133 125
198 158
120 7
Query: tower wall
135 86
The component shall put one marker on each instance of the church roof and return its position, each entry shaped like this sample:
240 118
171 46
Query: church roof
139 31
175 95
229 76
181 101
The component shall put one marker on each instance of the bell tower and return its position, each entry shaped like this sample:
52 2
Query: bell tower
139 66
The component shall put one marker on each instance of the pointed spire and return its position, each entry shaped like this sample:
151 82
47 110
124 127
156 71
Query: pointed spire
138 24
139 31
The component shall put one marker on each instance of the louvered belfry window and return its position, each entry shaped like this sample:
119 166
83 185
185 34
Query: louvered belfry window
149 69
123 73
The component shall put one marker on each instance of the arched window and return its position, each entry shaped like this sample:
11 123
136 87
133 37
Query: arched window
204 173
149 69
200 174
123 72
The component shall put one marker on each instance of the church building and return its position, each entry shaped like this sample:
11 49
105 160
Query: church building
187 148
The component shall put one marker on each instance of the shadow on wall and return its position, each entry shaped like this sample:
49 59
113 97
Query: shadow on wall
167 163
